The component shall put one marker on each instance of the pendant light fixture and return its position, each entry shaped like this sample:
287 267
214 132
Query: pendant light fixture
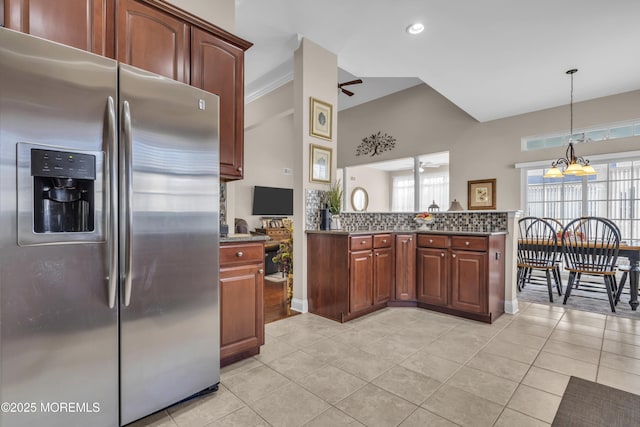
573 165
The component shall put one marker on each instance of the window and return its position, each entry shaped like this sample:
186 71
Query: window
402 193
598 133
612 193
434 188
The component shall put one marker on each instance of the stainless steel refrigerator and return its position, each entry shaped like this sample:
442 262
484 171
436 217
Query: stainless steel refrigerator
109 213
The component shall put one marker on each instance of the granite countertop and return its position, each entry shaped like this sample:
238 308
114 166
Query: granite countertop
446 232
244 238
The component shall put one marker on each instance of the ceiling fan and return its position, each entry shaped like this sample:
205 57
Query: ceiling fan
351 82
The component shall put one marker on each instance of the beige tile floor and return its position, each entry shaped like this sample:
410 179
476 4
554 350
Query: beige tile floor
414 367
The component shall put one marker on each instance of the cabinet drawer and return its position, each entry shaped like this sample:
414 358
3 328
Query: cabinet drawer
359 243
432 241
234 254
469 243
382 241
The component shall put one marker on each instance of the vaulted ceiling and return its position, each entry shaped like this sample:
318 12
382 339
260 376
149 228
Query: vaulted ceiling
492 58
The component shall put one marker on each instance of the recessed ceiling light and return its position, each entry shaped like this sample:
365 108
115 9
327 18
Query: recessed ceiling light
416 28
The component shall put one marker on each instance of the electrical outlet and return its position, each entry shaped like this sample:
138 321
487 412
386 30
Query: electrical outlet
287 171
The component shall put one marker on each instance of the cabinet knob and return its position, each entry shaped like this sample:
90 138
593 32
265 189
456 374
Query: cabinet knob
363 242
371 255
239 168
384 241
239 254
442 254
260 271
430 240
466 243
377 254
410 238
453 256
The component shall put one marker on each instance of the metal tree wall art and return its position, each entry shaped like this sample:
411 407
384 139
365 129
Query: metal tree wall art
376 144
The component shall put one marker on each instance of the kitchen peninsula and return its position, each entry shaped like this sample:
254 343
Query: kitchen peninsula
457 267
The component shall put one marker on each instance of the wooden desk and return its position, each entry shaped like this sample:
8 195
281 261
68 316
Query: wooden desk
632 253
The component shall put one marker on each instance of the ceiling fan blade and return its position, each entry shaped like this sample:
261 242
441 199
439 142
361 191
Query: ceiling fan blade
351 82
346 92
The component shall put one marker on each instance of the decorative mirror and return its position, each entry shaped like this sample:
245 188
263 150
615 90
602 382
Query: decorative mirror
359 199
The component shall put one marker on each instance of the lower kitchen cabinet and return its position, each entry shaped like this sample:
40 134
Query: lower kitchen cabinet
405 268
383 263
241 300
432 277
462 275
349 274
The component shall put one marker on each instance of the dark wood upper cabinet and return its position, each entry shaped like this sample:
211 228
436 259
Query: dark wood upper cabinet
153 40
218 67
84 24
156 36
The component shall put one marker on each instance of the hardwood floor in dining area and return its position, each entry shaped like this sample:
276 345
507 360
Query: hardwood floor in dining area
275 298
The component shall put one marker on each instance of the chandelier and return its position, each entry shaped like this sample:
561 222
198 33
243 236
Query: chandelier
573 165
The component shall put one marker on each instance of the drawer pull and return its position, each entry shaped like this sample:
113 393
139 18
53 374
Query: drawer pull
364 242
442 254
239 254
260 271
430 240
410 238
384 241
453 256
466 243
377 254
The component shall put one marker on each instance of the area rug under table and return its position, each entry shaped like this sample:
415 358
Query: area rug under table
589 404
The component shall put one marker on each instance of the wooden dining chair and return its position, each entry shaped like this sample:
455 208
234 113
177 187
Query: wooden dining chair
558 227
590 245
615 287
538 251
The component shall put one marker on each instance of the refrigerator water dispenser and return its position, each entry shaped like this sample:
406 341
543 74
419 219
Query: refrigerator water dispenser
60 195
63 191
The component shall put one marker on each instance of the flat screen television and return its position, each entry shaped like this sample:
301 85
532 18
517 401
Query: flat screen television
272 201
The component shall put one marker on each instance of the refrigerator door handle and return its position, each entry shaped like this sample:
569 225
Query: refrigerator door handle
128 203
112 197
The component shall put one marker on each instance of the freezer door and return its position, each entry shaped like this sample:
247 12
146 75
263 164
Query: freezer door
58 334
169 242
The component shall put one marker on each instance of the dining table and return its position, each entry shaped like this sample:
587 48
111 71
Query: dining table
628 249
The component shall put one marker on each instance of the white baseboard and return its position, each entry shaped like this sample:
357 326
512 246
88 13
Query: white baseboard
300 305
511 307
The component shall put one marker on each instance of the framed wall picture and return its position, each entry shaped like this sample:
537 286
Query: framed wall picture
319 164
320 119
482 194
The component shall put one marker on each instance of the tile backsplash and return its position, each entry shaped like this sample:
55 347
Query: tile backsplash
483 221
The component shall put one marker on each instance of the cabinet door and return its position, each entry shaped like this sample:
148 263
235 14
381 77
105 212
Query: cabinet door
360 281
382 275
468 281
218 67
432 276
405 268
85 24
150 39
241 309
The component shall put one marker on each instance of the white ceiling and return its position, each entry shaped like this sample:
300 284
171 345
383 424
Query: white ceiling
492 58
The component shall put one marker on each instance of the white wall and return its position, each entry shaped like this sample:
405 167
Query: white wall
374 181
315 75
267 152
268 142
423 121
219 12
